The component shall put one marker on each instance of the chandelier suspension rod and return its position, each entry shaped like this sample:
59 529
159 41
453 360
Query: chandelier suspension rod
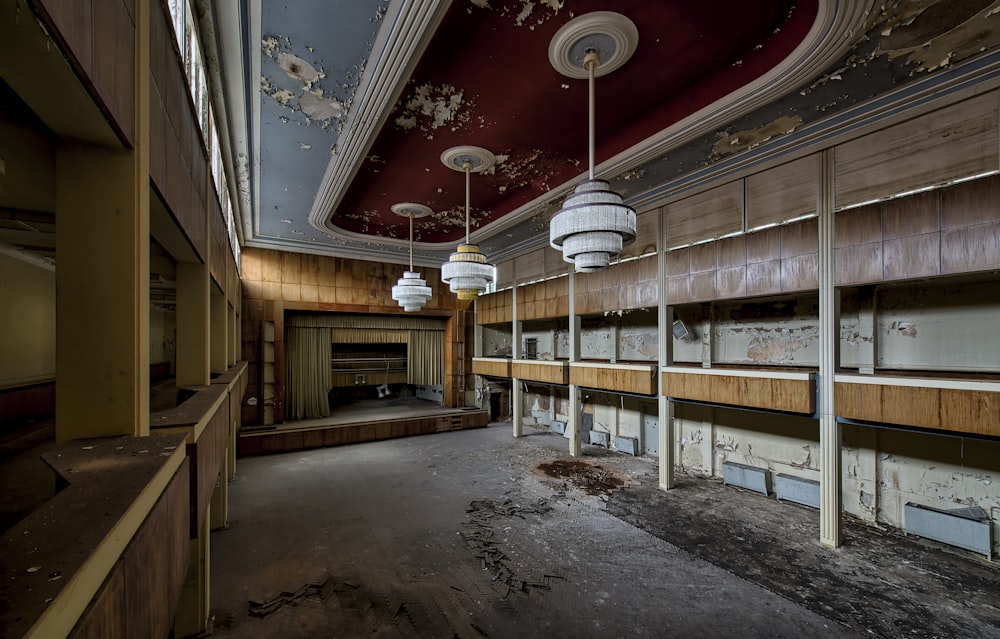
411 240
468 168
591 60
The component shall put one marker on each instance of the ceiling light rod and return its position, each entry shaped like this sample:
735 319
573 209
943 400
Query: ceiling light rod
594 224
591 60
466 272
411 291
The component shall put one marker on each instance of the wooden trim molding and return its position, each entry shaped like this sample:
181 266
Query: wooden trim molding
780 390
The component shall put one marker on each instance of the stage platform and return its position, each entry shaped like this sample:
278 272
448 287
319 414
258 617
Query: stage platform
362 421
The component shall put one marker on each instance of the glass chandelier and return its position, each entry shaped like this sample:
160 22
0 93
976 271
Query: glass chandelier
594 224
466 272
411 292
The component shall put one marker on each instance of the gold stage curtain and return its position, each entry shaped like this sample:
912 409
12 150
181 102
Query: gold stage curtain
368 336
307 372
425 358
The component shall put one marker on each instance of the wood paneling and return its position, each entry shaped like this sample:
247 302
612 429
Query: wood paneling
785 391
956 141
782 193
548 372
965 407
114 62
645 235
624 378
708 215
156 564
491 366
105 617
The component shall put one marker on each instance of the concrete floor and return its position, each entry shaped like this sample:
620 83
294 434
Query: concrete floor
476 534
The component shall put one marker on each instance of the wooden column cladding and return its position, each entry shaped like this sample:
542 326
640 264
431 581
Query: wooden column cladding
780 390
961 406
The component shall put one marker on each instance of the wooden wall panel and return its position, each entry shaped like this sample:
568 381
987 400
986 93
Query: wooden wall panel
156 563
782 193
645 236
952 142
491 366
105 617
114 62
624 378
950 405
780 390
548 372
712 214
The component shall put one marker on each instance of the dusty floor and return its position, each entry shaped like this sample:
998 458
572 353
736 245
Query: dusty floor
476 534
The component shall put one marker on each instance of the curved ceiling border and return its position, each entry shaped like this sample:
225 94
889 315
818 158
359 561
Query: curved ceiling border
400 48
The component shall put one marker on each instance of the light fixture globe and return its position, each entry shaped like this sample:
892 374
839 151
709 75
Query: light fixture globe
410 291
467 272
594 223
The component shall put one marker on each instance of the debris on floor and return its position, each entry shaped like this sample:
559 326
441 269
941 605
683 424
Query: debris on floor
480 537
593 479
278 600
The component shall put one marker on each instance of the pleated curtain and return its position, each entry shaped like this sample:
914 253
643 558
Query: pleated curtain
307 372
425 358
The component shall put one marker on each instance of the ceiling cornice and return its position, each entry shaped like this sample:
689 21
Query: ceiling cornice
395 54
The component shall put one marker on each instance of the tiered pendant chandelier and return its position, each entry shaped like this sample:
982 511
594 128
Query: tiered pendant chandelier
466 271
411 292
594 224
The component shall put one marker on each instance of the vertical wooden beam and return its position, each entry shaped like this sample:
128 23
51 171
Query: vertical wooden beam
193 350
664 329
829 428
102 283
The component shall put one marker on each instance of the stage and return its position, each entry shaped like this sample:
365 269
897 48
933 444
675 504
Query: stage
360 421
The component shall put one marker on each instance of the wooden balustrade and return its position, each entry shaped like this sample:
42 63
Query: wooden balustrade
780 390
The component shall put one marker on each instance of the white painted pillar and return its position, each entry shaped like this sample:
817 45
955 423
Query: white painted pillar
516 348
665 321
867 334
575 425
829 335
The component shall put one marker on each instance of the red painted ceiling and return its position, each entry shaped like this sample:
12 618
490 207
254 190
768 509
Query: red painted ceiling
515 104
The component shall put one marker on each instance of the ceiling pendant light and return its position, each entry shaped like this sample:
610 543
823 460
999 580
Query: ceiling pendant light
594 223
411 292
466 271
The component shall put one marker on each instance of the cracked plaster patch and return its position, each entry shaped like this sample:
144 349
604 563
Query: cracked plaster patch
523 11
743 140
431 107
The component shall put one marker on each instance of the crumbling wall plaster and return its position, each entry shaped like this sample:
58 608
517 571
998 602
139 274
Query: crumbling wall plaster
945 327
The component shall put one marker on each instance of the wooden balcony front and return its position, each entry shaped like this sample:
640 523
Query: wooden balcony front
639 379
491 366
544 371
959 405
768 389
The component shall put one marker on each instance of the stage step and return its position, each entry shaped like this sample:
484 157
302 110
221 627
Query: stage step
279 440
